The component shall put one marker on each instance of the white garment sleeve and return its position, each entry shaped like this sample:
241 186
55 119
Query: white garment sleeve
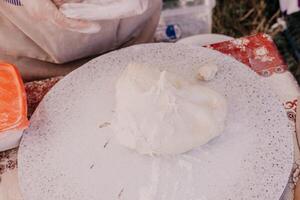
37 29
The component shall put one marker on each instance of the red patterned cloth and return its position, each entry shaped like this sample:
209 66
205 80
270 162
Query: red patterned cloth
37 90
258 52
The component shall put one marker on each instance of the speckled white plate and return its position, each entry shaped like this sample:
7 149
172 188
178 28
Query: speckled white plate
69 151
204 39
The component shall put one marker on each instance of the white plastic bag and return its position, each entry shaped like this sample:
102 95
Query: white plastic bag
36 30
104 9
289 6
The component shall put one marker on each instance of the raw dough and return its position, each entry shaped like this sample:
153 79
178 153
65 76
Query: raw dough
157 112
207 72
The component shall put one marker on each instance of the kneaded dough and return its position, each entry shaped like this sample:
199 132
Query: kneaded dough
158 112
207 72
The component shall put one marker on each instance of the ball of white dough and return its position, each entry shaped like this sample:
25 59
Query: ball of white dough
158 112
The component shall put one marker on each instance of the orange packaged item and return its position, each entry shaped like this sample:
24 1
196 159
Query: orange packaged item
13 107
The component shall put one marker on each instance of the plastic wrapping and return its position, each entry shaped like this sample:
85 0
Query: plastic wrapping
185 18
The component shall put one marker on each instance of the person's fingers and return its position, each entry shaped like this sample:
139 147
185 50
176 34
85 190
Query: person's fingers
58 3
47 10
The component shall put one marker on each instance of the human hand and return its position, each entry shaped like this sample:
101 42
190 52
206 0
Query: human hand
58 3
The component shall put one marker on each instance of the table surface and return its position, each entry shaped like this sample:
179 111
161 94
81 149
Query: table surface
257 51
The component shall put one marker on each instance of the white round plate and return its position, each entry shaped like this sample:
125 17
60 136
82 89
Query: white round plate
69 151
204 39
